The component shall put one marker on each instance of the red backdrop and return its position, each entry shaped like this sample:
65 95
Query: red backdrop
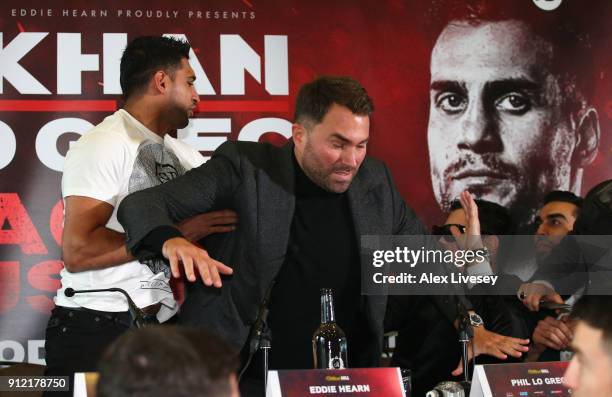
380 43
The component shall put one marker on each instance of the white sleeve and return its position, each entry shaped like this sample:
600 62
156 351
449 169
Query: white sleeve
95 167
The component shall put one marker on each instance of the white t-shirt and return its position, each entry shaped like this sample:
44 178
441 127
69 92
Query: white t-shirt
117 157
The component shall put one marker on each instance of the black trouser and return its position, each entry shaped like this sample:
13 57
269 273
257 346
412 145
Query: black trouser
75 340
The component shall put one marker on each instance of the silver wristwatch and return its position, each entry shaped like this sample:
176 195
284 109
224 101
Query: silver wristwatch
476 320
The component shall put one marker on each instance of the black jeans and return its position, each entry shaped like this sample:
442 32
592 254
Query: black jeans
76 339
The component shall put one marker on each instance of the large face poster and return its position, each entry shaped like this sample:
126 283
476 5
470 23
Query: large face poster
505 98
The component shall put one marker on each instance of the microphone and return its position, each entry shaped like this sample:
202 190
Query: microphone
259 325
258 333
135 312
465 326
449 389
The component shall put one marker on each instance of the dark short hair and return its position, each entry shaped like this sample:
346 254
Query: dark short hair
315 98
595 311
166 361
144 56
563 196
494 218
573 30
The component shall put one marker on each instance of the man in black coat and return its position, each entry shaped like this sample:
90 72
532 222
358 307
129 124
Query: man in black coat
302 210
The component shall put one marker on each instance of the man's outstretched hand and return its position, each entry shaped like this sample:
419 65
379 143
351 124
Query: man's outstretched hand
471 239
179 251
493 344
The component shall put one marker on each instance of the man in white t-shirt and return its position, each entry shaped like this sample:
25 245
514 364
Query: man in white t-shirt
128 151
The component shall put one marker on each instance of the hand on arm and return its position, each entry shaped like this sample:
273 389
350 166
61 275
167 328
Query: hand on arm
87 243
202 225
179 251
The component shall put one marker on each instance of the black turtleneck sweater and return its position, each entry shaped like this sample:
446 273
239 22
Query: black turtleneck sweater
322 253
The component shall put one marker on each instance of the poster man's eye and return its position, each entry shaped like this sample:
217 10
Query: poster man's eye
451 103
514 103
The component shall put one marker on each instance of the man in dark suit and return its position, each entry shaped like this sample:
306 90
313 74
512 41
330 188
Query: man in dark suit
302 209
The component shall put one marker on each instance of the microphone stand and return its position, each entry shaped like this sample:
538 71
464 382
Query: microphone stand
265 344
137 315
260 338
465 334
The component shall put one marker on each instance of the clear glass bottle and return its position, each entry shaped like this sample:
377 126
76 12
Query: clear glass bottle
329 345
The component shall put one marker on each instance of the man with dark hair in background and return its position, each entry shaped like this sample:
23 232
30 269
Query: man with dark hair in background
554 220
582 260
580 265
511 116
502 317
128 151
590 371
495 222
426 342
168 362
